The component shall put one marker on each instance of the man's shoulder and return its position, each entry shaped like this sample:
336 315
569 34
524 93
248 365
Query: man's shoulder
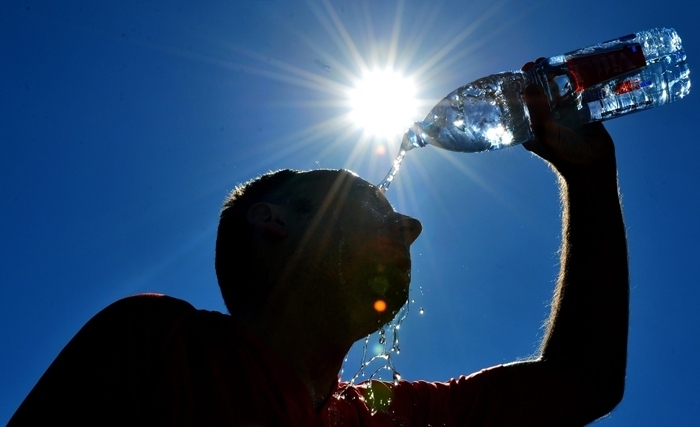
143 311
150 302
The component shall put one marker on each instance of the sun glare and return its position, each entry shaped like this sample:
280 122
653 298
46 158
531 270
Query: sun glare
383 103
362 82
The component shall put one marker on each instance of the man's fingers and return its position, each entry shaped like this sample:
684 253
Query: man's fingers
531 64
540 116
561 145
553 142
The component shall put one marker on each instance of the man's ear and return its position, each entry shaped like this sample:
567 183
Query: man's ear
268 218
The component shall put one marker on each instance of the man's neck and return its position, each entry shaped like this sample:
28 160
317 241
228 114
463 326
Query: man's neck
310 349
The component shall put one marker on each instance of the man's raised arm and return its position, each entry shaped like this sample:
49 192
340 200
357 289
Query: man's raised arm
580 373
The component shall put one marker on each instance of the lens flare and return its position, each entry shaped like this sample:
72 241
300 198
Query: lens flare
379 305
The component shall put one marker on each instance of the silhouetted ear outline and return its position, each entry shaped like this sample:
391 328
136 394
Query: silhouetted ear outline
268 218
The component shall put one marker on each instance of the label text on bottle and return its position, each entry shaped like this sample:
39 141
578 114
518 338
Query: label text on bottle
590 70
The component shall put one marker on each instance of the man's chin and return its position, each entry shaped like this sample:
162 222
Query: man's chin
394 304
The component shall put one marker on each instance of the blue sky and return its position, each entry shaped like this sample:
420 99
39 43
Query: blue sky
122 128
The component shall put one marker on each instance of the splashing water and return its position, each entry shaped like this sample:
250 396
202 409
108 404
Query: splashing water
342 367
385 354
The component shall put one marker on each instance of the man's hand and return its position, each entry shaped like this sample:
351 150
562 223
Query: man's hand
567 150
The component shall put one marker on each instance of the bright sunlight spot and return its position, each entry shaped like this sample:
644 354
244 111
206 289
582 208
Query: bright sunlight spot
499 134
383 103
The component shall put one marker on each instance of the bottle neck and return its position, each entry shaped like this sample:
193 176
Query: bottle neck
412 138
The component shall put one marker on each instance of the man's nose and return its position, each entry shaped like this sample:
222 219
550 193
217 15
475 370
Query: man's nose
409 228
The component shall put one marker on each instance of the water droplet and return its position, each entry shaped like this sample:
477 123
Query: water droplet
382 336
421 311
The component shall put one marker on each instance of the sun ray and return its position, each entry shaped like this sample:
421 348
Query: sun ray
342 38
327 25
347 38
476 178
449 61
412 45
335 64
317 104
293 74
395 33
457 40
358 151
369 29
282 147
359 144
303 78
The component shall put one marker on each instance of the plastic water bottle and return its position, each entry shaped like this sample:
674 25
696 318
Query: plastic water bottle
598 82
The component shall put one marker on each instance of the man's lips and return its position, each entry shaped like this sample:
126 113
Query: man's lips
395 252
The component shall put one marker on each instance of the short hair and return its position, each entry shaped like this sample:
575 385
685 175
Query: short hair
234 255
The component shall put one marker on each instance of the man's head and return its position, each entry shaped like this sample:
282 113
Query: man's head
329 233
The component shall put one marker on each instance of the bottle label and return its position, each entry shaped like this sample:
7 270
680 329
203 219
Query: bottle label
620 88
590 70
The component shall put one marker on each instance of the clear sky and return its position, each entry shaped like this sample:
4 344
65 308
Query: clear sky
123 127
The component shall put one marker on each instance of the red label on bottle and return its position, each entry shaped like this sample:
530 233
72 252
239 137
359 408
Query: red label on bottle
626 86
589 70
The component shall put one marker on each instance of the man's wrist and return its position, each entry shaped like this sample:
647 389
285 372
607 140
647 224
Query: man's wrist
600 174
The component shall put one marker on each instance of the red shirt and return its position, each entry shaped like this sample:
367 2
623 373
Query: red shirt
156 360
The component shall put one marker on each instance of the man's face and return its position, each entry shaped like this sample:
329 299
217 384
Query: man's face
360 245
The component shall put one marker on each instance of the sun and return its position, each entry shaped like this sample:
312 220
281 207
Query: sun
365 87
383 103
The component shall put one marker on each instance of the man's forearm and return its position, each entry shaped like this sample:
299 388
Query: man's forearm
587 330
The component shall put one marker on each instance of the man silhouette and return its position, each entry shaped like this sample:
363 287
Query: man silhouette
310 262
